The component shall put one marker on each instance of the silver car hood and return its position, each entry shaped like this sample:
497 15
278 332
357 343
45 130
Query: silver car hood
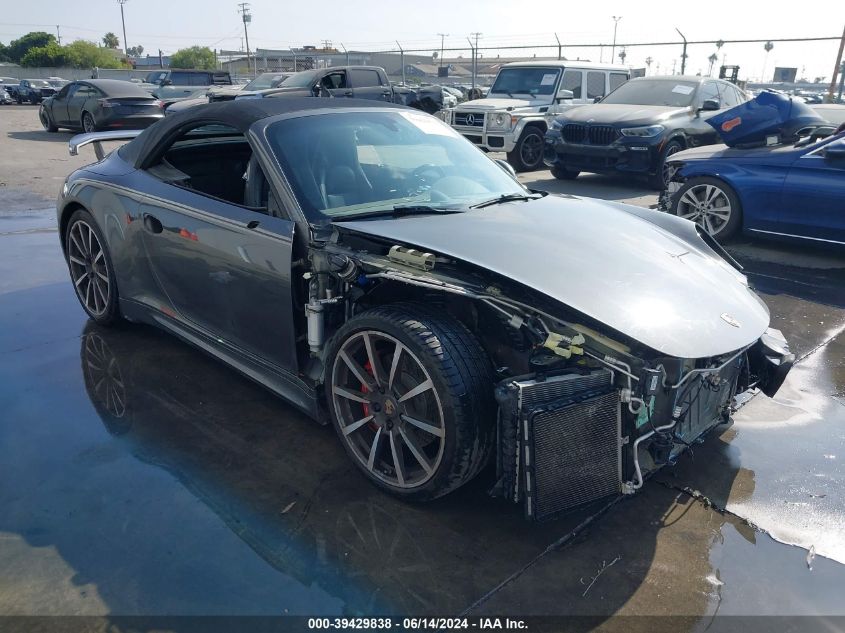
643 273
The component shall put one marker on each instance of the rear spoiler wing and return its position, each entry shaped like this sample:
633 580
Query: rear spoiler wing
97 138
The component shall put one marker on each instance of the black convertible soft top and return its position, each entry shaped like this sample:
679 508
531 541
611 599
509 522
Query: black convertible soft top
239 115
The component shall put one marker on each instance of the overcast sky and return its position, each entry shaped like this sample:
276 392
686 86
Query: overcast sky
375 24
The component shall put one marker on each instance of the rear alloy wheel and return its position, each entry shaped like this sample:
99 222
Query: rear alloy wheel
88 124
46 122
91 269
660 179
528 153
711 204
410 393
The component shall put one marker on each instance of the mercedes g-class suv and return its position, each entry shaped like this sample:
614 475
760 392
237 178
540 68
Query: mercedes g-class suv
514 115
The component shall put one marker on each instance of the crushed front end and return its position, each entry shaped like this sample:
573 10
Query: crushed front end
599 427
584 411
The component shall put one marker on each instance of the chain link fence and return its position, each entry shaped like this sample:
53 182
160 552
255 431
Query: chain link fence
763 63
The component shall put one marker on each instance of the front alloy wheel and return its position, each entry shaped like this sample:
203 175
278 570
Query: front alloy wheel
410 393
528 153
388 409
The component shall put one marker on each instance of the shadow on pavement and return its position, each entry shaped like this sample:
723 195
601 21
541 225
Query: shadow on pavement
62 136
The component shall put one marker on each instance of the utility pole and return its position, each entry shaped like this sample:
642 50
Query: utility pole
475 59
443 37
122 21
345 51
401 60
683 54
559 49
58 35
247 18
615 24
836 69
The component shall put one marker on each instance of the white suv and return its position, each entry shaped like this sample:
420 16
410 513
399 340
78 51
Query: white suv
525 96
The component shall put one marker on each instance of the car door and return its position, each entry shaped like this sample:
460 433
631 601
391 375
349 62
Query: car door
813 198
699 132
367 84
58 106
337 83
76 104
223 269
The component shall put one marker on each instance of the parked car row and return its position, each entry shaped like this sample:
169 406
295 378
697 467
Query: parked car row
360 82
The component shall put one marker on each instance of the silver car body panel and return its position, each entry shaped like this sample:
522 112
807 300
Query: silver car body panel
643 273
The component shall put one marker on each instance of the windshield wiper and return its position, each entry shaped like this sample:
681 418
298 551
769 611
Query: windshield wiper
400 211
507 197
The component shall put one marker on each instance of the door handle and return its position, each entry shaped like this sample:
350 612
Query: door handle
152 224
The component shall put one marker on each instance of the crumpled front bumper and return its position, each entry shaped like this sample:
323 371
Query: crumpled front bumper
769 362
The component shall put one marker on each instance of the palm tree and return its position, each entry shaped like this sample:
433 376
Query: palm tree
767 47
110 40
712 59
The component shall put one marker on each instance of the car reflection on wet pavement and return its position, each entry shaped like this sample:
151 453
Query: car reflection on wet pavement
139 476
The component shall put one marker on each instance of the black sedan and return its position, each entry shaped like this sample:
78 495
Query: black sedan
100 104
370 265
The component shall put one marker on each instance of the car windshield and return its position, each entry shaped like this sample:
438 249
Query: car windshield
38 83
346 164
659 92
264 81
526 81
300 80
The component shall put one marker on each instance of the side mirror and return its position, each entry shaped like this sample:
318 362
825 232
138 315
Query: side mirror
166 82
563 94
835 151
710 104
507 167
598 99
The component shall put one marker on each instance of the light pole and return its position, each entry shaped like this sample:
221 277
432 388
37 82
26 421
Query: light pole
615 24
443 37
247 18
683 54
123 22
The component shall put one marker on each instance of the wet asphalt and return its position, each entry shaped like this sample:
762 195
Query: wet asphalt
140 477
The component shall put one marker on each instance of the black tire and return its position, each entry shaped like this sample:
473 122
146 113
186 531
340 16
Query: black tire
88 123
109 312
562 173
46 120
660 178
527 155
722 193
34 100
18 99
462 379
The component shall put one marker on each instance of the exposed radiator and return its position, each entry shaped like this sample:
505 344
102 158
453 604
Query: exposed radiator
559 441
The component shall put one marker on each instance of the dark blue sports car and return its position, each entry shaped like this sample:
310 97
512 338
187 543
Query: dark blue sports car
780 173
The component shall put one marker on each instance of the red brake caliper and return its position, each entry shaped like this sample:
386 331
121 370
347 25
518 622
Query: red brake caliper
369 368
